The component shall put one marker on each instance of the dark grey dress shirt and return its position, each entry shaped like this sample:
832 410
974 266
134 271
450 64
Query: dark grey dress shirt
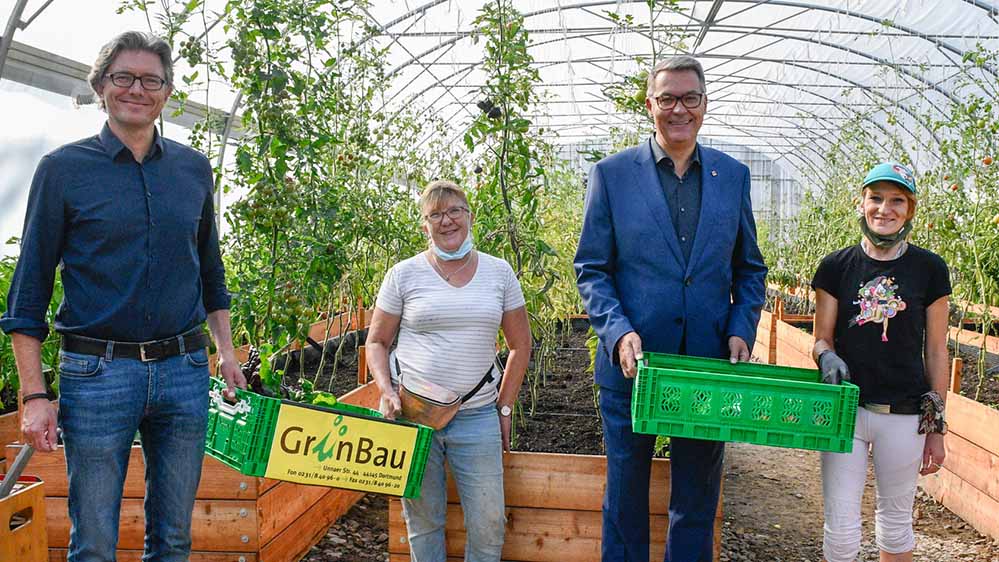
683 194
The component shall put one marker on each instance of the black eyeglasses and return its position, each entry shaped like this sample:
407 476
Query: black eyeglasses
690 100
454 213
126 79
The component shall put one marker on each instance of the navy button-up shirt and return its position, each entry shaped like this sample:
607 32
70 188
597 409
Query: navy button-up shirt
137 243
683 194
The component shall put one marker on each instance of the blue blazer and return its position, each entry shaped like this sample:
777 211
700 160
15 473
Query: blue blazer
631 273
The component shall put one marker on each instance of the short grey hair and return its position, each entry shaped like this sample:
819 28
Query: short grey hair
676 64
130 41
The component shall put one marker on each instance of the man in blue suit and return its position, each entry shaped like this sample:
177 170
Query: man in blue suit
667 261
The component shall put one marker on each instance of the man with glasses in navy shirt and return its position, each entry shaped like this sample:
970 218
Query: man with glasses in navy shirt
128 218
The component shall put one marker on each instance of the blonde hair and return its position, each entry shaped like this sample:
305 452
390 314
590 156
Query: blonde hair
437 192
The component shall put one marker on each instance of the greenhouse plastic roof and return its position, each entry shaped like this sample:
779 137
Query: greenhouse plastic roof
783 76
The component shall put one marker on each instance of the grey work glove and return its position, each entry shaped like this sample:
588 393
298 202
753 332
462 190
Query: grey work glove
834 369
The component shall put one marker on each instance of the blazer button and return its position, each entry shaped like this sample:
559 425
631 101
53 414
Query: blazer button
678 321
688 281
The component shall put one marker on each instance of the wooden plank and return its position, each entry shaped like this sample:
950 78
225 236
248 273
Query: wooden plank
536 535
218 481
9 430
406 558
218 525
798 318
59 555
794 347
362 366
534 480
242 355
366 396
800 341
973 464
761 347
296 540
25 542
340 324
968 502
560 481
956 365
973 338
283 504
973 421
978 309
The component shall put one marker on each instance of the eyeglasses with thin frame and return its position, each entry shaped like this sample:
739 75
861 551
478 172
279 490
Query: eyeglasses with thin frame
454 213
149 82
690 100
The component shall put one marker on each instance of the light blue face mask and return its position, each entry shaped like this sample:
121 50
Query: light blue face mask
458 254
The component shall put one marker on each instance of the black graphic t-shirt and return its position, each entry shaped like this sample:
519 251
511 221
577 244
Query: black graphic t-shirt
881 317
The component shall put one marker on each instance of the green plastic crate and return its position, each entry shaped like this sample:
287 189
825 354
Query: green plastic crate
713 399
240 435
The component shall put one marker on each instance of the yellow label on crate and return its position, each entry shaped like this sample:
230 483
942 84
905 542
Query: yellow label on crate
331 449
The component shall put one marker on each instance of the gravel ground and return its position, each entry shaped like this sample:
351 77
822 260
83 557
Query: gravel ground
773 513
361 535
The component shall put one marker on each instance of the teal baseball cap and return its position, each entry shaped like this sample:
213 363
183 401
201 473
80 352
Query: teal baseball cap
893 172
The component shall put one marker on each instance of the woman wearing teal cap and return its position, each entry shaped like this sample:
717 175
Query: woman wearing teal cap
881 322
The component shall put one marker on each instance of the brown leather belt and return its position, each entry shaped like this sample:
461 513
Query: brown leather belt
143 351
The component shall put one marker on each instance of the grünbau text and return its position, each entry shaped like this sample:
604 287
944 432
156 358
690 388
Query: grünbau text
295 441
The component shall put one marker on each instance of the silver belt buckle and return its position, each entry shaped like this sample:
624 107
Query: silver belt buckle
142 352
878 408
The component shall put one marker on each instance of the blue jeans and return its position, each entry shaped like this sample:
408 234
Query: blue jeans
102 403
695 477
473 449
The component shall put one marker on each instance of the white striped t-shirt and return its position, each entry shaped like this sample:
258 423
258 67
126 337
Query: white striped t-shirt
447 335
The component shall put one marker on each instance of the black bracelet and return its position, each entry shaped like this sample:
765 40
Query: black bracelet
35 396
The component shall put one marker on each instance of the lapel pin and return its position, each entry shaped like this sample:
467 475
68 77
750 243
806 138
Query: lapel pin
714 172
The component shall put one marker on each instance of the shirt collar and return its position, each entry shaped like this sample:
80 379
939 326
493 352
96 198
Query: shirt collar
658 153
113 145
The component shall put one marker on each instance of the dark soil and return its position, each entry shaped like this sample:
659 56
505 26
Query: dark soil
557 411
8 400
988 393
339 373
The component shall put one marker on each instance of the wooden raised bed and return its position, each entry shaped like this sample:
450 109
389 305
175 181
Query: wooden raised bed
968 482
10 432
553 510
236 518
780 343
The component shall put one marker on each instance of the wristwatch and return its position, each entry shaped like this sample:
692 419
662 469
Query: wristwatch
505 411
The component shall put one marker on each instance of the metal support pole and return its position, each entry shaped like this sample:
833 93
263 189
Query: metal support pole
225 140
8 32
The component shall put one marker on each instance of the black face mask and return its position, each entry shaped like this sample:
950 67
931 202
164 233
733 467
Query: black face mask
885 241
